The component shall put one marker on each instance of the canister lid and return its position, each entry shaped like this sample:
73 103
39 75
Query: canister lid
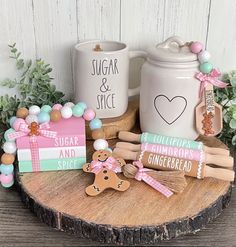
172 50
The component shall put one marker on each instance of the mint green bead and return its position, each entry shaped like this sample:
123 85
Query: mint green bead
6 134
46 108
83 105
206 68
78 111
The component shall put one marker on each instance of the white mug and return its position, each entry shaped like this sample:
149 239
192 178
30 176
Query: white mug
101 78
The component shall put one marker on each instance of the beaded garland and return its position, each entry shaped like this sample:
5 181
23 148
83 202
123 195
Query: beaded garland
206 68
202 55
35 116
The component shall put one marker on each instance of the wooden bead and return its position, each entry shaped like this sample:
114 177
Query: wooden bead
98 134
55 115
22 112
7 159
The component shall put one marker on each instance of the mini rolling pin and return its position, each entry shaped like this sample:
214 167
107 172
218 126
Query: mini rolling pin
170 141
182 153
160 162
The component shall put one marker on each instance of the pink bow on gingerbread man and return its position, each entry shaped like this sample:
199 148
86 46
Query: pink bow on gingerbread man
110 164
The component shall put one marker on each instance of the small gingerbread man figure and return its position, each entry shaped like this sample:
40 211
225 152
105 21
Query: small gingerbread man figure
34 127
207 123
105 165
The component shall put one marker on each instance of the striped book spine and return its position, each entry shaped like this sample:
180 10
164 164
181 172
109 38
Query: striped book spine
54 164
53 153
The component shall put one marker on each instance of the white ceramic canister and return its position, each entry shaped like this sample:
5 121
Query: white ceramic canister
169 91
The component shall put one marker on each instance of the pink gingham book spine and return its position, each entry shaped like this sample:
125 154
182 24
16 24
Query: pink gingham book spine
59 141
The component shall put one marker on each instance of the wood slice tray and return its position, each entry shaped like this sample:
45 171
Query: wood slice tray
138 216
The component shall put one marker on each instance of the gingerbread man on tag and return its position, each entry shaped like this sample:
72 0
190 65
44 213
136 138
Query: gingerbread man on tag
105 165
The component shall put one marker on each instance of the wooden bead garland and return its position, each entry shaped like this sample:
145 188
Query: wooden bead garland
205 67
34 116
208 78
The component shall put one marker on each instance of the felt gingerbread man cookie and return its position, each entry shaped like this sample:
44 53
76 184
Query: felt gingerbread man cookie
105 165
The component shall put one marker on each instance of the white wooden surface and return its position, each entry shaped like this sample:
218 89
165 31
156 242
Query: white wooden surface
48 29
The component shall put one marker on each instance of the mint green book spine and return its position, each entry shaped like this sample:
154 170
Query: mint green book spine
54 164
170 141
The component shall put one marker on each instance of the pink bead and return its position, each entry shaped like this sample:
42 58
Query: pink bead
17 123
196 47
6 179
57 107
89 114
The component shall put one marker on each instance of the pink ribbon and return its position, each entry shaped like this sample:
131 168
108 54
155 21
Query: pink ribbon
210 78
24 131
142 175
110 164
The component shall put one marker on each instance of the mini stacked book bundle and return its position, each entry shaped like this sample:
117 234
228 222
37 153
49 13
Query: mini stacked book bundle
65 151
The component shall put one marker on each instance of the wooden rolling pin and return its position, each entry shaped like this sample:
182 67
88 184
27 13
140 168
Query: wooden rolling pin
160 162
182 153
170 141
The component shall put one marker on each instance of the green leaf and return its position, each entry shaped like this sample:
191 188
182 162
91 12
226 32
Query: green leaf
12 46
18 54
234 140
33 85
20 64
234 115
232 123
13 50
233 81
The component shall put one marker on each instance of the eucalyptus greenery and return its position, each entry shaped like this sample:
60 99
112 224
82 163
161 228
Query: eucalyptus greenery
33 86
227 98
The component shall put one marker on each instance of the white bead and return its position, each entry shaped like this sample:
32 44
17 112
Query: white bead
66 112
34 110
69 104
100 144
31 118
204 56
9 147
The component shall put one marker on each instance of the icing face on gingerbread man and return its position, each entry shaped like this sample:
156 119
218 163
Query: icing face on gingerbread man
101 155
105 166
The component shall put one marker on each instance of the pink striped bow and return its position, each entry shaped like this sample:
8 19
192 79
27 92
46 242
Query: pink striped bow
210 78
142 175
110 164
24 130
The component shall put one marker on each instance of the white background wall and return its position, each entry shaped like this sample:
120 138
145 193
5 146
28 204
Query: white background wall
49 28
